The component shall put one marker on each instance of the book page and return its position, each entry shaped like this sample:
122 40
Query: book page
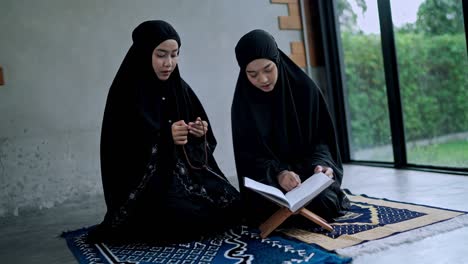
268 191
308 189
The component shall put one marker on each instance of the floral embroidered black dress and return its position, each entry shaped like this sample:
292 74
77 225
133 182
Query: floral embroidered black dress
151 193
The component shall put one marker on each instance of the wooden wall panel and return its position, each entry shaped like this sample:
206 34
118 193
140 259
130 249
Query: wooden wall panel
293 22
298 54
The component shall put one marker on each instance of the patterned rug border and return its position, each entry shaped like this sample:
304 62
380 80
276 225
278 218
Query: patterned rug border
67 235
409 236
412 235
299 251
437 220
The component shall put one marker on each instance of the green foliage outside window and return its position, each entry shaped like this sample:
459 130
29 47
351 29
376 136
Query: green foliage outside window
432 68
433 73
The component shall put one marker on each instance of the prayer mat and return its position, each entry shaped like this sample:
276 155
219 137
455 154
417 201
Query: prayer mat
238 245
373 224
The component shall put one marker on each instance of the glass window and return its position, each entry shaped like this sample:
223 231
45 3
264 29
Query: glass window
364 85
433 74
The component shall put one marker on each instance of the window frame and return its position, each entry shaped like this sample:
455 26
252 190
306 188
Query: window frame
334 68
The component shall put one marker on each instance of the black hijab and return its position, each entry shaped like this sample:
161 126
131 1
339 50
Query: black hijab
135 118
289 128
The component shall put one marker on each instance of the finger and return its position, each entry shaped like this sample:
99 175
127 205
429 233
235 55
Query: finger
205 126
180 136
179 128
180 123
180 133
178 139
298 179
196 125
181 142
318 169
297 184
199 128
201 124
329 172
197 134
293 183
196 131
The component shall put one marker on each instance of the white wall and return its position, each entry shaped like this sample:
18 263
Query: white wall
59 59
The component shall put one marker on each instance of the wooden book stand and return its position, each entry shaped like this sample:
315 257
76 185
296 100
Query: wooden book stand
283 213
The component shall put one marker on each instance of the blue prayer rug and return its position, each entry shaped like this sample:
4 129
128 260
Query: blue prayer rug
374 224
239 245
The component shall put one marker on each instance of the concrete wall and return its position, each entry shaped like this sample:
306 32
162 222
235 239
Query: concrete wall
59 59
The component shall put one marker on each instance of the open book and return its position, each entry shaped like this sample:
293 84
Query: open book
297 197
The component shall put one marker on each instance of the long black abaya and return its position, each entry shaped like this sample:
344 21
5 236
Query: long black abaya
289 128
145 176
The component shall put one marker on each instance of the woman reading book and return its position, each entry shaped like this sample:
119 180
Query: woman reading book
282 130
161 181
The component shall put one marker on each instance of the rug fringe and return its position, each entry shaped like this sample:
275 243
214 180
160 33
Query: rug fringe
406 237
